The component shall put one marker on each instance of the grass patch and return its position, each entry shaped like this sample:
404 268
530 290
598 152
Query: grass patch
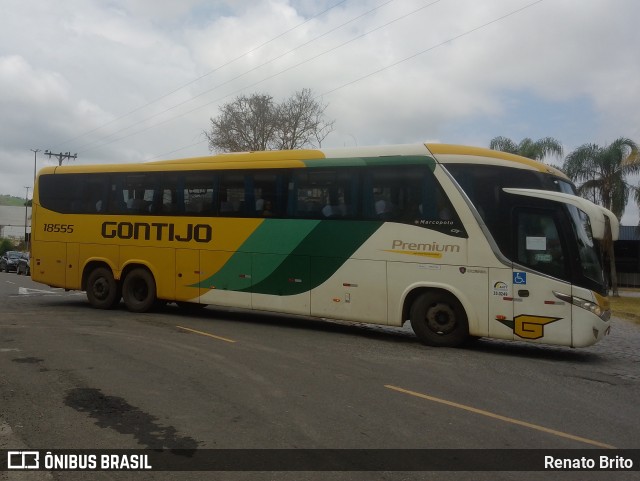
626 307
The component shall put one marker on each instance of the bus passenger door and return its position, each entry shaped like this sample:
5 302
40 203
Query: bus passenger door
500 303
538 314
187 275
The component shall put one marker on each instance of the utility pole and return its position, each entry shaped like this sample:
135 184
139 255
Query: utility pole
26 210
61 156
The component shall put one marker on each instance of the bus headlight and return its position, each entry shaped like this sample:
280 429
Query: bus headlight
604 314
588 305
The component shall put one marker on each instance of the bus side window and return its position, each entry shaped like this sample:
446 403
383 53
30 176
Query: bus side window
231 199
322 194
137 191
88 191
409 195
117 203
169 201
198 194
397 195
97 195
268 192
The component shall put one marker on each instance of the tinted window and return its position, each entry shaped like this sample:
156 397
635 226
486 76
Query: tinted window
409 195
324 194
538 243
232 197
483 185
198 194
587 250
406 194
77 193
133 193
268 194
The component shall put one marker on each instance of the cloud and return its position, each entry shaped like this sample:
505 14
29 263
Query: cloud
103 78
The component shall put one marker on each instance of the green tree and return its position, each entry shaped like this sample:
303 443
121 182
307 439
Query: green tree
6 245
602 175
536 150
602 172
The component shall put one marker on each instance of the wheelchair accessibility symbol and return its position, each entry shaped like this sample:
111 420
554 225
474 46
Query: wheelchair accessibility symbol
520 278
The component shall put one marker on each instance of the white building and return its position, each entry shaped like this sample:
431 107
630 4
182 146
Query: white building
12 221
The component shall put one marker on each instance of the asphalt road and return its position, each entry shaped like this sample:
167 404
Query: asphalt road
74 377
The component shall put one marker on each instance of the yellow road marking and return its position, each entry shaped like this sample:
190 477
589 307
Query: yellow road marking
501 418
206 334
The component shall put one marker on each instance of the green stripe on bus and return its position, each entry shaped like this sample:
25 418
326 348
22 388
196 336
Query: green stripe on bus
367 161
278 237
317 257
291 257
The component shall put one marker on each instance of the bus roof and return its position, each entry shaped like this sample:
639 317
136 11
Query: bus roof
390 155
428 153
448 153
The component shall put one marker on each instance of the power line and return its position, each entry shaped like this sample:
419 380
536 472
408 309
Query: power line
191 99
165 154
466 33
433 47
177 89
253 84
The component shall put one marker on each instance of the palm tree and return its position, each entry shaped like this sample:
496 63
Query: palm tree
602 173
537 150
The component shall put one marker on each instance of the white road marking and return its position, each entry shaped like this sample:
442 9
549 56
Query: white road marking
27 291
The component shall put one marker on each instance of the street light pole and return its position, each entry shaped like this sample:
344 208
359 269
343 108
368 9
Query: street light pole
26 208
26 211
35 158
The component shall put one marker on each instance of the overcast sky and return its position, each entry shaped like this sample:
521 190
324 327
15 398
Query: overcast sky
134 80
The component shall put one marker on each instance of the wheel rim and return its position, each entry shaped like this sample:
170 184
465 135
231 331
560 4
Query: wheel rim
101 288
441 318
139 290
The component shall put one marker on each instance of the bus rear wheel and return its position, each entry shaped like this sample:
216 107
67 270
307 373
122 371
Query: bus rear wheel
102 289
438 319
139 290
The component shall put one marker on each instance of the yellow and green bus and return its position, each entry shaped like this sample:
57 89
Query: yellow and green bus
463 242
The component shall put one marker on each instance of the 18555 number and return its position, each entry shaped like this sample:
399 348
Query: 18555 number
63 228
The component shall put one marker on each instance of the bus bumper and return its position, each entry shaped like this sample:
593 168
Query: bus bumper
586 334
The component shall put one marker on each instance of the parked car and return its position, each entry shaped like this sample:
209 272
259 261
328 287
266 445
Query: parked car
9 261
23 266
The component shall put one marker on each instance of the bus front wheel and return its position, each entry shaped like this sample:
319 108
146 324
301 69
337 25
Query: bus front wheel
438 319
102 289
139 290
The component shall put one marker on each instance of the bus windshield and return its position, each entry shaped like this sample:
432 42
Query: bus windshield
589 258
568 251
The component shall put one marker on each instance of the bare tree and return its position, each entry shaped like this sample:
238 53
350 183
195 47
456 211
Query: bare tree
302 122
257 123
247 123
